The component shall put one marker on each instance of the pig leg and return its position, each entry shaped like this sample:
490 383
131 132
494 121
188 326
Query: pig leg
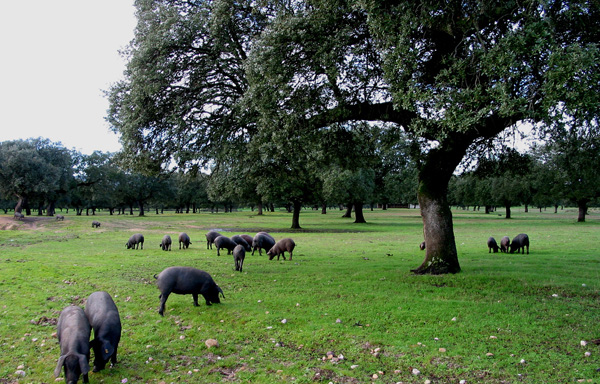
163 299
218 253
291 252
195 296
113 358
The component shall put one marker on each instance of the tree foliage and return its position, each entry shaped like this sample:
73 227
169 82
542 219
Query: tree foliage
211 78
34 170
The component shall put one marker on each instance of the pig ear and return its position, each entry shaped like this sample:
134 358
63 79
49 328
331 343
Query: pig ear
61 361
107 350
84 365
220 290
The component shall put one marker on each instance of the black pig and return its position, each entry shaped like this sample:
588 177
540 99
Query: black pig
185 240
239 254
491 243
165 244
135 241
104 319
73 331
262 240
241 241
210 238
520 241
224 242
184 281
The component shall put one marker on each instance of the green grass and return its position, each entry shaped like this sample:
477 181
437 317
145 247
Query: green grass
348 291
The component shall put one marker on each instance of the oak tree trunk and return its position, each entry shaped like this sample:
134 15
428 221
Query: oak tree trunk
582 206
358 213
296 215
435 172
348 210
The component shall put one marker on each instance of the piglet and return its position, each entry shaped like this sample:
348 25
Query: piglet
73 331
104 319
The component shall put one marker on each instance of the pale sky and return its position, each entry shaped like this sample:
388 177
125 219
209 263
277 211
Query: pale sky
56 58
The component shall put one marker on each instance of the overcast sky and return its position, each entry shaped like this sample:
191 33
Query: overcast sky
57 57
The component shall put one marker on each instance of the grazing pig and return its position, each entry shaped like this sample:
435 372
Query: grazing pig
210 238
505 244
520 241
135 241
184 281
224 242
19 216
95 224
248 239
491 243
165 245
60 217
104 319
279 249
262 240
73 331
241 241
239 254
422 246
185 240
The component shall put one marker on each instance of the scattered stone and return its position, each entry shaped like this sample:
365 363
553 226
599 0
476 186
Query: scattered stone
454 319
21 366
493 337
489 354
588 354
375 376
283 321
442 350
522 361
338 321
583 343
20 372
354 366
416 372
211 343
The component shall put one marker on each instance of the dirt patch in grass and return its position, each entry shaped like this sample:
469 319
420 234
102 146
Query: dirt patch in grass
29 222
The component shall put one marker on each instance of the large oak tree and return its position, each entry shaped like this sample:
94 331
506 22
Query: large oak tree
451 74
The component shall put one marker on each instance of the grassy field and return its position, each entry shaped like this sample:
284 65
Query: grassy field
346 309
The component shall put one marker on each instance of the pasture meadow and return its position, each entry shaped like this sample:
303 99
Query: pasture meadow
346 309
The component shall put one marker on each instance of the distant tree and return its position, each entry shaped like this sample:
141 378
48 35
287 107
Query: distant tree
34 169
190 190
507 173
351 186
576 159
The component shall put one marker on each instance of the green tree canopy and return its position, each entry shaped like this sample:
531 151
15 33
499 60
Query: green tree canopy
264 78
34 169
